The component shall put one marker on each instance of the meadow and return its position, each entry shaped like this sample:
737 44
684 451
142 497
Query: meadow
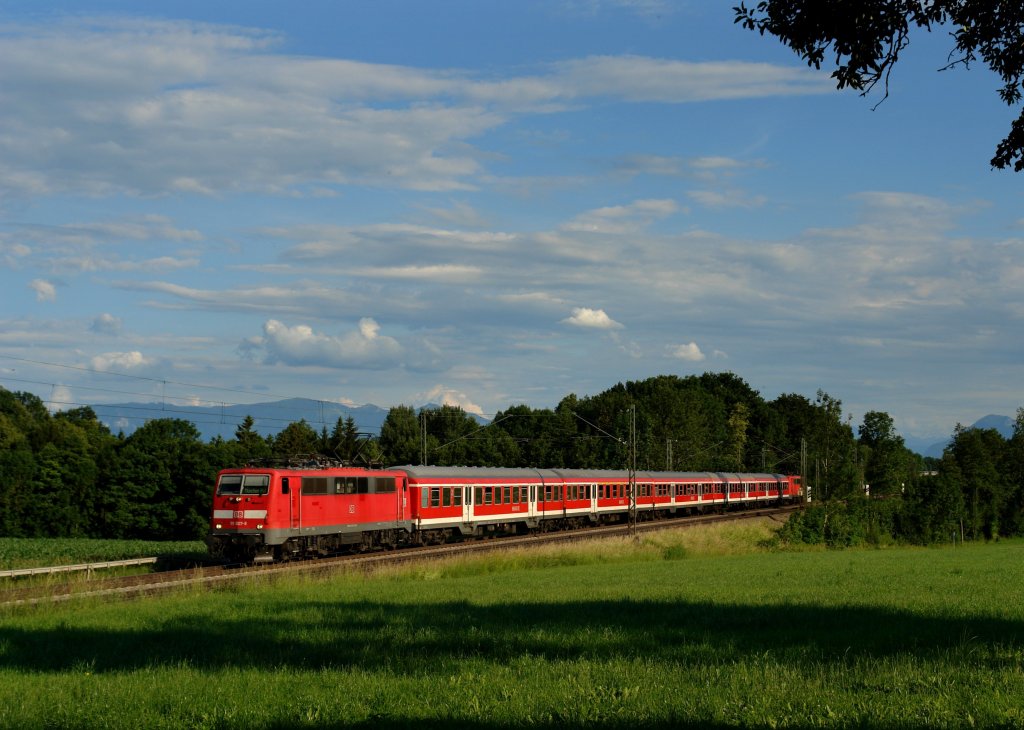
710 627
23 552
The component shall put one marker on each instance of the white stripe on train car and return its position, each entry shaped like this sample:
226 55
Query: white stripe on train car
248 514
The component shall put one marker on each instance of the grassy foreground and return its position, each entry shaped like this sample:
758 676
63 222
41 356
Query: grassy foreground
30 552
700 628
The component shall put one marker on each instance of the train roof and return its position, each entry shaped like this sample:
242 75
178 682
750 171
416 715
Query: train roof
596 475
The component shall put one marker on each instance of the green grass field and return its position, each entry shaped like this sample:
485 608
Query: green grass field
701 628
18 552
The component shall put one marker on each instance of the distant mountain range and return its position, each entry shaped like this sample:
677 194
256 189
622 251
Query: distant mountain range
271 418
927 447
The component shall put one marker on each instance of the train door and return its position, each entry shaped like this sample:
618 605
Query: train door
290 489
467 503
592 489
533 501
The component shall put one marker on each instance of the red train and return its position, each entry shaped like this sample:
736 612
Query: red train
280 513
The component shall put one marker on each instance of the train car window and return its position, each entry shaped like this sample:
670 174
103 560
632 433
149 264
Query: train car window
479 495
383 485
507 494
314 485
488 495
230 484
435 496
457 497
284 485
362 485
424 497
446 497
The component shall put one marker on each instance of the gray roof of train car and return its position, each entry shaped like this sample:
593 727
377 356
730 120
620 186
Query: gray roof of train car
485 472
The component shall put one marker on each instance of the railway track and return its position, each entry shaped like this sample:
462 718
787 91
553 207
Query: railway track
212 576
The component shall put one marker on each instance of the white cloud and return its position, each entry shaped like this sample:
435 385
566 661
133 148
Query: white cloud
300 345
639 78
106 324
689 352
61 398
619 219
113 96
45 291
450 397
727 198
591 318
121 360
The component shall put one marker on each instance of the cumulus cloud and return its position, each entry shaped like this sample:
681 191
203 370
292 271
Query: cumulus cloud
45 291
689 352
60 398
121 361
451 397
591 318
106 324
300 345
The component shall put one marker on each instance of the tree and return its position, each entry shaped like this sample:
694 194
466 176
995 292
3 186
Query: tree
978 455
831 451
887 468
249 444
296 439
867 38
344 441
738 421
1013 516
400 436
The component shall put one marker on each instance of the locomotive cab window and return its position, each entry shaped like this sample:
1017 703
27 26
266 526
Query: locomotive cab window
230 484
255 484
251 484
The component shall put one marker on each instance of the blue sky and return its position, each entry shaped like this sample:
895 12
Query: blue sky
493 203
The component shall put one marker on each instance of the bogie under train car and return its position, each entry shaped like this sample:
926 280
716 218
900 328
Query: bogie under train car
266 514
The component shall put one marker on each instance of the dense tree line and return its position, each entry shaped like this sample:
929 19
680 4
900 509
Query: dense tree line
66 474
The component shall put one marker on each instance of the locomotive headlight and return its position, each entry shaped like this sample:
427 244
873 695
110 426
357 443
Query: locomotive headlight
218 526
259 527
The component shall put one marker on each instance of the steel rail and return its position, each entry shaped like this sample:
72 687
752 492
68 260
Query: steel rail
80 567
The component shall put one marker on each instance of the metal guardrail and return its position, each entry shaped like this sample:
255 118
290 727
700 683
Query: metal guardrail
88 567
